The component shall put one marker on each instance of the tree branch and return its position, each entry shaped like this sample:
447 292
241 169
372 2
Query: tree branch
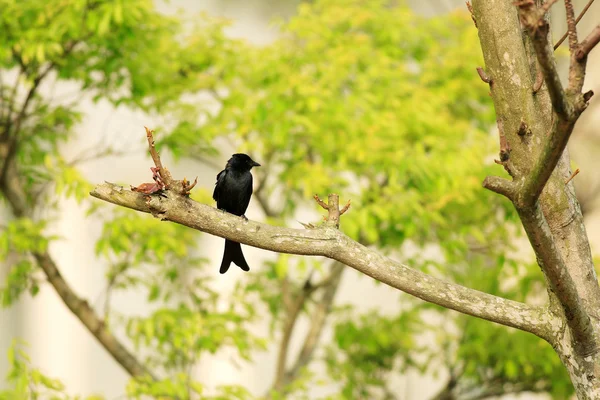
571 25
89 318
318 318
290 322
329 242
567 115
13 191
560 281
588 43
581 14
500 185
164 173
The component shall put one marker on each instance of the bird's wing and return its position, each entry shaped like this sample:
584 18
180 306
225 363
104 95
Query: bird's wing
246 194
218 184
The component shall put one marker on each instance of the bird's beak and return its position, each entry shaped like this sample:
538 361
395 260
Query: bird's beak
255 164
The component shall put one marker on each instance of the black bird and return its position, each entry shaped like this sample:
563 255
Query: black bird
232 194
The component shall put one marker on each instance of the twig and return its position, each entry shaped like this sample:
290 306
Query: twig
291 318
572 176
320 202
164 173
484 77
576 67
345 208
470 8
588 44
571 25
318 319
500 185
562 39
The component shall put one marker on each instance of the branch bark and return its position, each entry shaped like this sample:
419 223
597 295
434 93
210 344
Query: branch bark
331 243
94 324
546 203
318 319
588 43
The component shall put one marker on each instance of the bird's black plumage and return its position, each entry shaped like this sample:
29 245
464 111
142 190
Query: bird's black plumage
232 194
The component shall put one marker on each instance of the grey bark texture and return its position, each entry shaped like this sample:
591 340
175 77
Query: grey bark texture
327 241
516 44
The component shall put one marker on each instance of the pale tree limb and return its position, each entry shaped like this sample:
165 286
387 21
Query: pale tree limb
329 242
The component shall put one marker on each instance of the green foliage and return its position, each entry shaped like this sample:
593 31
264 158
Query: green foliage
31 383
17 240
367 349
358 97
184 388
382 106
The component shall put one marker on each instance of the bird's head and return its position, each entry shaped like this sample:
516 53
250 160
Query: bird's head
241 162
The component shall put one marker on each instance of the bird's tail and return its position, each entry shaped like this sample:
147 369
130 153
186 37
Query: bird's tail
233 253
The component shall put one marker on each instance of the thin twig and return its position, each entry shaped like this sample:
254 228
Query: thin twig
345 208
470 8
572 176
318 319
562 39
320 202
484 77
164 173
571 25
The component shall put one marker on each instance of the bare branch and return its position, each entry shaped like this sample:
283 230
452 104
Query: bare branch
164 173
576 66
318 319
470 8
345 208
553 148
562 39
330 242
484 77
500 185
588 43
82 310
560 281
292 314
13 191
320 202
572 176
571 26
538 28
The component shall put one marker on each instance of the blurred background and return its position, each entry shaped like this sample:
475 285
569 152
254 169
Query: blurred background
377 101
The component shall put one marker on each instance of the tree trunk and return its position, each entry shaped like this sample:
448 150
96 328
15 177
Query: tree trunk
526 119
